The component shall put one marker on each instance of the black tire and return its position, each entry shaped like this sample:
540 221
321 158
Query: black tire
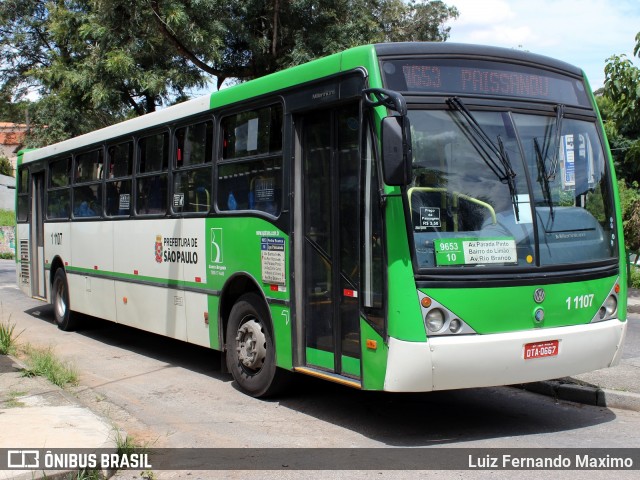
250 348
60 301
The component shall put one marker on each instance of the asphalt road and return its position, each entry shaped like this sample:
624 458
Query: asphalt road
166 393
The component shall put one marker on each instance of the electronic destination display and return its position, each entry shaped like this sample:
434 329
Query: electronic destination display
478 77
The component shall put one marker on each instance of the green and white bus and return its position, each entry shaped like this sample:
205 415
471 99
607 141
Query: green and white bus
398 217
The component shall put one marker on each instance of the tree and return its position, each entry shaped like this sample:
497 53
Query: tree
621 107
263 37
95 62
5 166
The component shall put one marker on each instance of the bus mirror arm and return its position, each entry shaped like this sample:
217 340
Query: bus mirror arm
396 135
375 97
396 150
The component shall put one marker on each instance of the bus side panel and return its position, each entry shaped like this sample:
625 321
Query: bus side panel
148 260
403 303
194 274
213 303
374 357
197 318
252 248
281 316
92 296
90 261
152 308
57 243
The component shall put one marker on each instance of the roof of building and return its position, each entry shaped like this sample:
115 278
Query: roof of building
12 133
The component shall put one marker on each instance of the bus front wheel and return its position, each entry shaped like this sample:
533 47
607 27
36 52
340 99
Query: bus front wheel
251 355
60 301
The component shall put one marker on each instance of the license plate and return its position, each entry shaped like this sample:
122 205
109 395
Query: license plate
541 349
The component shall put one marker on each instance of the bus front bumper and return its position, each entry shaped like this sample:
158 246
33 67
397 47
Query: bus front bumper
444 363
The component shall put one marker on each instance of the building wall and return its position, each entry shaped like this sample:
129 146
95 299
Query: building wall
7 239
12 137
7 193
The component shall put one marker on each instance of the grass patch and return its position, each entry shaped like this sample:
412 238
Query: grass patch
8 337
634 278
86 475
127 445
42 362
12 400
7 218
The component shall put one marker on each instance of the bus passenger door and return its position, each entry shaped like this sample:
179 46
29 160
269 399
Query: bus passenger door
329 159
38 288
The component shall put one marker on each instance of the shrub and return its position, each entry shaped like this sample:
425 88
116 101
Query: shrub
7 218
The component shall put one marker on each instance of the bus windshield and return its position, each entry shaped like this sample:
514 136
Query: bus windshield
508 189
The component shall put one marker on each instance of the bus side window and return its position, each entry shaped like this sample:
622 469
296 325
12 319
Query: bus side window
151 184
58 194
118 186
192 175
250 170
23 194
87 190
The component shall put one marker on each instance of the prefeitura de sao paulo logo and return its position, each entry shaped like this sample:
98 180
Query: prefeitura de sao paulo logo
159 248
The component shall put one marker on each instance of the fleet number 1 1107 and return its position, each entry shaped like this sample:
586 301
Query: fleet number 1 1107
580 301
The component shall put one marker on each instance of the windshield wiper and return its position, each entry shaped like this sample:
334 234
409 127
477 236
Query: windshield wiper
510 178
544 175
551 175
543 179
504 171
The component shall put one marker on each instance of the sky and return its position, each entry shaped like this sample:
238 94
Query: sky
581 32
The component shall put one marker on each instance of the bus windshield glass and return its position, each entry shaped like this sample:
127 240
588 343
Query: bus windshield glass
507 189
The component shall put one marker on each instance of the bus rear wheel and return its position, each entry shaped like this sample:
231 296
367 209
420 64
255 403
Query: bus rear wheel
60 301
251 355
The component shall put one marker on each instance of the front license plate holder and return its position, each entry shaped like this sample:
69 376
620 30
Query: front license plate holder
541 349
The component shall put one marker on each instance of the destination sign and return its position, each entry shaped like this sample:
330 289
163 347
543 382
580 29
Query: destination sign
476 77
475 251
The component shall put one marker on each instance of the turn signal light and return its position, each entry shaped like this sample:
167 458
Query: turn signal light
425 302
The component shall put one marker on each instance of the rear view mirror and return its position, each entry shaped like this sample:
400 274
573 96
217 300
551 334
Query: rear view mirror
396 150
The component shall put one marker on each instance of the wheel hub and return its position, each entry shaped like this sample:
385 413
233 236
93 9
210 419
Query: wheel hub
61 306
251 345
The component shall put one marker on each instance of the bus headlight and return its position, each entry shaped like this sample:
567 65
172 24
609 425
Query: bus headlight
439 320
609 308
435 320
611 305
602 313
455 325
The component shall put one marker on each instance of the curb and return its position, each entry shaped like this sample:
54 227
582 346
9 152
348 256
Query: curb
62 473
587 395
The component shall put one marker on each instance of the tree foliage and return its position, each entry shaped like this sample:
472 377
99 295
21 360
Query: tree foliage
620 108
621 111
94 62
5 166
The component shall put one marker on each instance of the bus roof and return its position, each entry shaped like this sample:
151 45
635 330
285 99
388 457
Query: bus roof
362 56
300 74
448 50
